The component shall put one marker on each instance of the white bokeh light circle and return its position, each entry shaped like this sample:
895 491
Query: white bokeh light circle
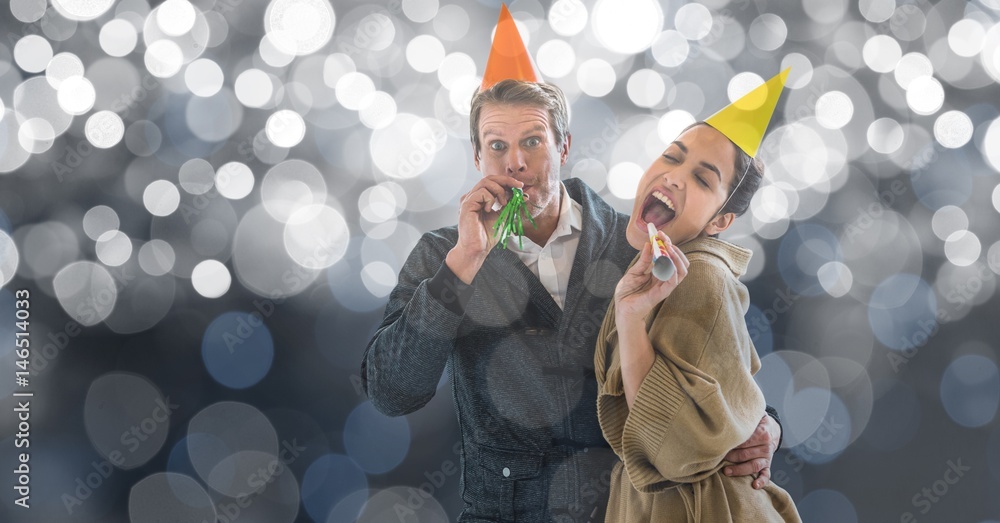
568 17
61 67
104 129
76 95
743 83
881 53
36 135
156 257
672 123
885 135
948 220
352 88
316 236
910 67
694 21
966 37
32 53
420 11
991 144
455 67
596 77
555 58
627 26
118 37
203 77
925 95
82 10
378 110
768 32
953 129
623 179
211 278
963 248
234 180
302 26
175 17
877 11
671 49
290 186
253 88
99 220
163 58
834 110
113 248
161 198
646 88
86 291
835 278
9 258
285 128
28 11
425 53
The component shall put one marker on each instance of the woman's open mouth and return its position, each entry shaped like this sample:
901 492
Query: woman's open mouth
658 209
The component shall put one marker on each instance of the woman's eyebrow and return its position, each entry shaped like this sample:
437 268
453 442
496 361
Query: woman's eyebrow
712 168
682 147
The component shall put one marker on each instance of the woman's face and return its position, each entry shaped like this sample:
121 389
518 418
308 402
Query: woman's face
684 189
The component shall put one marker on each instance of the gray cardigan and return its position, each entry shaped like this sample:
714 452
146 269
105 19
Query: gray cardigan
521 367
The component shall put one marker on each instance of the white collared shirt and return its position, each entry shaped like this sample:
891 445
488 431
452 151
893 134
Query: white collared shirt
553 262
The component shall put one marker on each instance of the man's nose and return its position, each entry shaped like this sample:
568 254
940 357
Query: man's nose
516 161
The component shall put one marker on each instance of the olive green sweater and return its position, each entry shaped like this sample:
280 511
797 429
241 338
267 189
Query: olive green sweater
698 401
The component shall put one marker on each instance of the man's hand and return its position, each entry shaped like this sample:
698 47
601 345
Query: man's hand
753 457
475 225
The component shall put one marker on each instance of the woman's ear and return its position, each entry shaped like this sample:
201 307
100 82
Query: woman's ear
720 223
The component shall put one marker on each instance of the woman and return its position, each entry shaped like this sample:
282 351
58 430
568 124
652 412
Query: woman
674 360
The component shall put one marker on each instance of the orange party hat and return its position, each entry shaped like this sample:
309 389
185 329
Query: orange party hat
509 59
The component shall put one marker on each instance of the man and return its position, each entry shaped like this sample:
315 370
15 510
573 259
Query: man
517 327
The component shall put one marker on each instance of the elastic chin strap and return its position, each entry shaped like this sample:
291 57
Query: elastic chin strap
745 171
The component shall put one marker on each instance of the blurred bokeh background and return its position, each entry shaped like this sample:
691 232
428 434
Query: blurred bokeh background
209 200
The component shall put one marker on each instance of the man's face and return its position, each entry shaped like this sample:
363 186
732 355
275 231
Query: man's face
518 141
694 175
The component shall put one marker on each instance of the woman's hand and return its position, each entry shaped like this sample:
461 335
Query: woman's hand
639 291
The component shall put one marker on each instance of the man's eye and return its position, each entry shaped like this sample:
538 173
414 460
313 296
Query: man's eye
532 142
496 146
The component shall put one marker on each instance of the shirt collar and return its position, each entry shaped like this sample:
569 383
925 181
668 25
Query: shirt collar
570 215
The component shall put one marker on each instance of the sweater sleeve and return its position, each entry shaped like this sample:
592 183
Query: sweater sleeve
699 399
407 355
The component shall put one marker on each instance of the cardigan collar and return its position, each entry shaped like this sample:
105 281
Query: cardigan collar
735 257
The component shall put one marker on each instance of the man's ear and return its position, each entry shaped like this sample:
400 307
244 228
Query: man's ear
564 152
720 223
475 159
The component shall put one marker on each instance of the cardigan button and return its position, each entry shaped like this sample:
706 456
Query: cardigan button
506 472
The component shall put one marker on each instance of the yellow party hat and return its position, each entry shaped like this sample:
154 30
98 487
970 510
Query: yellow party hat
509 59
745 120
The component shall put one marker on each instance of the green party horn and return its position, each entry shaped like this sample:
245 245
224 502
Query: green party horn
511 220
